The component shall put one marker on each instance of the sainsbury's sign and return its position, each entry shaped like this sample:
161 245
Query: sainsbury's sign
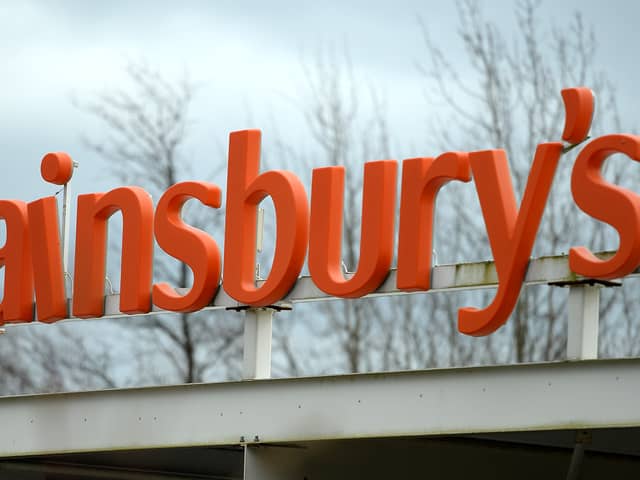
32 259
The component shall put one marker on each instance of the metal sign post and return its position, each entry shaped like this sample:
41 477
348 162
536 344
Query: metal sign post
584 316
256 362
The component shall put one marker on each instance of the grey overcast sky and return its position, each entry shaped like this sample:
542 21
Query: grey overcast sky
246 56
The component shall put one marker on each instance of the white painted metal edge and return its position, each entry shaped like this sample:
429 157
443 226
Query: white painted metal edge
460 276
574 395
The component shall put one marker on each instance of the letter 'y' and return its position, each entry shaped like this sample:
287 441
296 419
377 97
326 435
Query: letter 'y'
511 232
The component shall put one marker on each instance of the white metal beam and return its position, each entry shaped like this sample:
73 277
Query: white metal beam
584 314
576 395
461 276
256 361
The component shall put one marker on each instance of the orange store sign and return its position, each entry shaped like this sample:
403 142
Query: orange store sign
32 259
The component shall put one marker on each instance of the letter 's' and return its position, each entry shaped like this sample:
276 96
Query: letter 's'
422 178
94 210
245 190
609 203
512 232
188 244
15 256
376 239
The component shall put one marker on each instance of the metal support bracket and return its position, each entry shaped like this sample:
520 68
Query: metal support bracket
584 317
583 438
256 361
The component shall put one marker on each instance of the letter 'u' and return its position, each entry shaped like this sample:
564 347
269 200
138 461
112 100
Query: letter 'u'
376 238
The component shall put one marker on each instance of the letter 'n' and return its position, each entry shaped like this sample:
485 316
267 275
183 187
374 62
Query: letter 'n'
94 211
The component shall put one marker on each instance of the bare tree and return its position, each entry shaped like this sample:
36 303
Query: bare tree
512 101
16 376
147 125
41 358
346 120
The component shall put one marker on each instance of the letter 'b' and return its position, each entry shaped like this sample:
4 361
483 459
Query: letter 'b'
245 190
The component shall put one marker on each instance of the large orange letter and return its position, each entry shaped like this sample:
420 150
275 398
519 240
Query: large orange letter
51 302
422 178
245 190
579 104
609 203
44 235
376 239
191 245
15 257
94 210
511 232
